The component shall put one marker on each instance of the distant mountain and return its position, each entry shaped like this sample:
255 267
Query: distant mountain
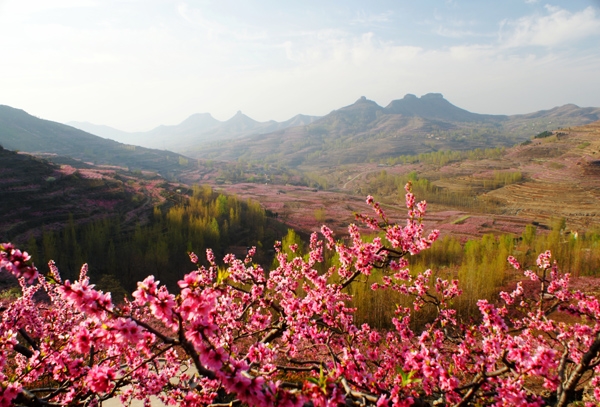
239 125
21 131
433 106
198 121
365 131
561 116
99 130
195 130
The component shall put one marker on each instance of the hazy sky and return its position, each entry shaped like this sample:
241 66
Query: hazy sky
135 64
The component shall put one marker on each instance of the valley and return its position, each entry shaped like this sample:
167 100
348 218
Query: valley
555 177
255 204
475 186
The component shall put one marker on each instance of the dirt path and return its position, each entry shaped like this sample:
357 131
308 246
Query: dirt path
355 177
154 402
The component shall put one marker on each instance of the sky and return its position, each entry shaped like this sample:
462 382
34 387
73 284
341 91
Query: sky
137 64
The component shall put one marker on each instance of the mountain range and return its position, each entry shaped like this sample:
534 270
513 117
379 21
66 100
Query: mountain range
354 135
196 129
362 131
365 131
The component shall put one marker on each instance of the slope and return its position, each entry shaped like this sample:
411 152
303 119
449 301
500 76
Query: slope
552 176
37 194
24 132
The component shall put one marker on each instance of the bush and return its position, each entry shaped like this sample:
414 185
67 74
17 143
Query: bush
544 134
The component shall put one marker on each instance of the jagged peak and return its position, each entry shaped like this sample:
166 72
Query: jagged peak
364 100
361 103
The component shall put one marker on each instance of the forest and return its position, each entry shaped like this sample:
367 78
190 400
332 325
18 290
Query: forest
479 264
119 258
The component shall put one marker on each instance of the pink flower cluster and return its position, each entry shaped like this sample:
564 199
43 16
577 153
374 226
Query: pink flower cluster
287 336
17 262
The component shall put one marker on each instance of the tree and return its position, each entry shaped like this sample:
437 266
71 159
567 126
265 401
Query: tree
254 340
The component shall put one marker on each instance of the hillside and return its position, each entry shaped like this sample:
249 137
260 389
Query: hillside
125 224
24 132
38 195
365 131
562 177
552 176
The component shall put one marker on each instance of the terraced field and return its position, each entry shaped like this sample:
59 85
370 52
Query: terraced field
563 178
545 200
38 195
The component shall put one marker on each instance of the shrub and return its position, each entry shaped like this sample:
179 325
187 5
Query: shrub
544 134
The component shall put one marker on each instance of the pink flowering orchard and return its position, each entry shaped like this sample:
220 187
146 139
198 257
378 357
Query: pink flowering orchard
238 335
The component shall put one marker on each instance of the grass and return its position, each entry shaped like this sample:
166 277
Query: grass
583 145
461 220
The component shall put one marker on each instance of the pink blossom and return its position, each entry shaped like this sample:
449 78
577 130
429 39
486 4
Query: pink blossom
246 330
99 378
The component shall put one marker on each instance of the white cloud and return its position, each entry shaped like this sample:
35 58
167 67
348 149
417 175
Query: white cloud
471 52
183 11
454 33
556 28
367 19
147 68
310 47
216 30
20 9
449 27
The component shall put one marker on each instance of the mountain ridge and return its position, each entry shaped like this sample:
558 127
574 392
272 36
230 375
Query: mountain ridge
434 105
360 132
23 132
365 131
203 135
199 127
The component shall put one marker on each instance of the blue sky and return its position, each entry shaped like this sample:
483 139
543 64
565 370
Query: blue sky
136 64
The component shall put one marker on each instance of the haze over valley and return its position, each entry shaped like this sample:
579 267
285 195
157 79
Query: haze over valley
200 128
356 150
359 132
